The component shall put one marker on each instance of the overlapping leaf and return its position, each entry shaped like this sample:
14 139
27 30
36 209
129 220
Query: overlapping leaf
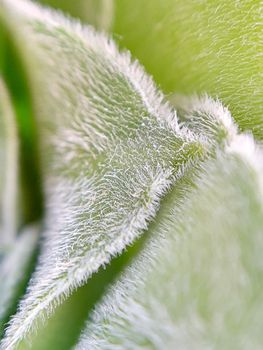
110 149
198 282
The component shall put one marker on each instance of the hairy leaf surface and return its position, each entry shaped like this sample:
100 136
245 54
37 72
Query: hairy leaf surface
197 283
110 149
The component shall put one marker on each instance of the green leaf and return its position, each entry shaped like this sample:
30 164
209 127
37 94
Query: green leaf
16 253
12 71
15 269
8 171
198 282
63 328
201 46
205 117
98 13
110 149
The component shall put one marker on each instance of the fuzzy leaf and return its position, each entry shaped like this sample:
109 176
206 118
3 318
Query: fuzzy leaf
62 329
110 149
205 117
198 282
200 46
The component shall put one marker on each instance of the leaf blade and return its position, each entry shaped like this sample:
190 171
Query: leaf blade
110 149
206 258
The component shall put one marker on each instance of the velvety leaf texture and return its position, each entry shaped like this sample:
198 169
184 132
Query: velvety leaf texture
198 282
168 185
110 149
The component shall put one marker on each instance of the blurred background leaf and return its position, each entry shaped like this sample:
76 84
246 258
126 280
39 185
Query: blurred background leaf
200 46
98 13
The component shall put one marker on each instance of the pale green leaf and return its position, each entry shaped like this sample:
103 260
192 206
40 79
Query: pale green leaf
205 117
198 282
215 125
110 148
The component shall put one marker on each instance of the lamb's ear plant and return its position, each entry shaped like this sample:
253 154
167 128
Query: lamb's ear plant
169 188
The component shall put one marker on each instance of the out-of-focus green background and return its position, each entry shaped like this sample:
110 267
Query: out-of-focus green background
191 46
